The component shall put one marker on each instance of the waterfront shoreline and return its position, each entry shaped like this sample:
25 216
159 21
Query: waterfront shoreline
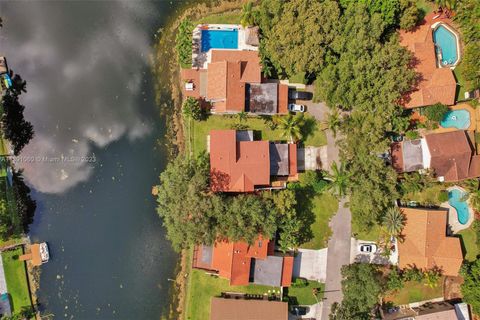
167 75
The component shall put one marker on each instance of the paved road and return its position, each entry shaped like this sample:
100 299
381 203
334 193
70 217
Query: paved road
338 256
340 241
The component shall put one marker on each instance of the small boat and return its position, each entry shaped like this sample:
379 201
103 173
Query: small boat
44 253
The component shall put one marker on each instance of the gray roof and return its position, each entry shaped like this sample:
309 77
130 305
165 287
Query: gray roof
206 256
262 98
5 307
268 272
279 165
412 155
244 135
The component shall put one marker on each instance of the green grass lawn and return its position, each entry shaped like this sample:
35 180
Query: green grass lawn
229 17
203 287
462 84
16 276
415 292
469 244
324 207
429 196
304 295
200 130
369 235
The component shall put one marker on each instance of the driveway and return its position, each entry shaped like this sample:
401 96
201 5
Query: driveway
310 264
375 258
320 111
338 256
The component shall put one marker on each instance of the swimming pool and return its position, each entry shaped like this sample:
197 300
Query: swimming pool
219 39
459 119
446 45
456 200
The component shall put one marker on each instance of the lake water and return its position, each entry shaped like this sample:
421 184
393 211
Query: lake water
91 101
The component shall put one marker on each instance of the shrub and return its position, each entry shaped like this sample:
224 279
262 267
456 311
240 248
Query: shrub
183 42
443 196
300 283
436 112
413 274
191 109
395 280
412 135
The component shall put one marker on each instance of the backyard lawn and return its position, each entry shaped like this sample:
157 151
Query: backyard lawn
414 291
429 196
229 17
304 295
203 287
371 235
469 243
314 136
462 85
324 207
16 276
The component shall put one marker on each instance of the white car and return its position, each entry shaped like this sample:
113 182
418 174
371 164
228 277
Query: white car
296 107
367 248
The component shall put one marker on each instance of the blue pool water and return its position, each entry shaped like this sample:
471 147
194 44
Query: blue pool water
447 45
456 200
459 119
219 39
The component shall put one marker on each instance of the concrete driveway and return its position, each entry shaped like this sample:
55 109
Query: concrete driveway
310 264
338 255
375 258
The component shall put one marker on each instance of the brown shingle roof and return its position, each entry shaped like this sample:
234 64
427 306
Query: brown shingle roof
435 84
450 154
233 309
425 242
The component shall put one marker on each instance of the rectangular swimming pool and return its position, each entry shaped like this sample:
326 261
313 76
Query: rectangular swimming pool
219 39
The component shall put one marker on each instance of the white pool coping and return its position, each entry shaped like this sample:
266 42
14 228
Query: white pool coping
457 38
453 215
202 59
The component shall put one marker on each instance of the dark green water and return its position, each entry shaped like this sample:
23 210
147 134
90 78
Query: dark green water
90 93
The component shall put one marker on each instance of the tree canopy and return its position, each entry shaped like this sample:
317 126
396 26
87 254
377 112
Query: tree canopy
361 290
15 128
470 288
183 43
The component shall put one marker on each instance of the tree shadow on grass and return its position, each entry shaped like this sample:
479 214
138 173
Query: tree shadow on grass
306 216
309 127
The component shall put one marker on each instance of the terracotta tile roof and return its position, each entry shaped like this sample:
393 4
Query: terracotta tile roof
292 159
451 153
193 76
240 274
425 242
259 249
283 99
287 271
223 258
234 309
435 84
237 166
225 91
251 68
397 156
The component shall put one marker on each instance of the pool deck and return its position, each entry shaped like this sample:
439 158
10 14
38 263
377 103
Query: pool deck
202 59
453 222
474 119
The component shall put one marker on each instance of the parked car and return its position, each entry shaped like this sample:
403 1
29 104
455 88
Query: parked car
299 95
299 310
368 247
296 107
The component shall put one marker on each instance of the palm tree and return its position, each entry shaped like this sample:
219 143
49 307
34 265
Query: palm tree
333 122
394 221
291 127
247 14
338 178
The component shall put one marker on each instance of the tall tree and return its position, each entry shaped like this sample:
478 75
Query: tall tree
394 221
291 126
470 288
248 18
16 129
338 178
361 290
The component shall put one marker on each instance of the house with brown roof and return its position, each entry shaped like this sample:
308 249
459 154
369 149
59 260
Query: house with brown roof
240 309
450 155
435 84
242 263
240 164
232 82
425 242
